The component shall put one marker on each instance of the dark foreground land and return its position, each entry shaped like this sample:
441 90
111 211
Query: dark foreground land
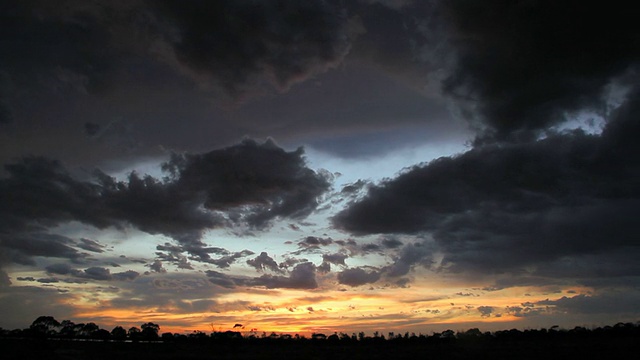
505 345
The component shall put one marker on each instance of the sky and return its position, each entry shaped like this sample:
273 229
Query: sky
320 166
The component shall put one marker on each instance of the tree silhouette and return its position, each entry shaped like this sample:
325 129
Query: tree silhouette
45 326
119 333
89 329
133 333
68 329
150 331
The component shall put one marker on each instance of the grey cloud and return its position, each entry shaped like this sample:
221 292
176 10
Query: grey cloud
156 266
289 262
126 275
314 241
226 261
221 279
179 260
91 273
61 269
409 255
21 248
41 300
94 273
303 276
90 245
262 181
324 268
556 280
357 277
336 259
83 56
368 248
264 262
50 280
527 311
609 302
486 311
391 243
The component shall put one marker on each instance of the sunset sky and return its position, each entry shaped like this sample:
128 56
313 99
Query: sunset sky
320 166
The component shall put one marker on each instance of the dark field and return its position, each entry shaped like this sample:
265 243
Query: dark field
514 345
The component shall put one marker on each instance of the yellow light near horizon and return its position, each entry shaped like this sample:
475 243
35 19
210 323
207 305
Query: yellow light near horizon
304 312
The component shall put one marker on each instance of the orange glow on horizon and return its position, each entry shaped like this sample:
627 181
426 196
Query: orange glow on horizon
333 311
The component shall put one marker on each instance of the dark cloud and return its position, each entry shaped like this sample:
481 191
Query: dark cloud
312 244
486 311
226 261
68 46
336 259
156 266
289 262
260 181
519 311
357 277
613 301
221 279
90 245
61 269
252 183
410 255
126 275
324 268
313 241
264 262
240 44
523 65
48 280
93 273
391 243
91 129
500 207
303 276
21 248
41 300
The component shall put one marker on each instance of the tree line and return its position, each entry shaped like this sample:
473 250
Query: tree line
50 328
